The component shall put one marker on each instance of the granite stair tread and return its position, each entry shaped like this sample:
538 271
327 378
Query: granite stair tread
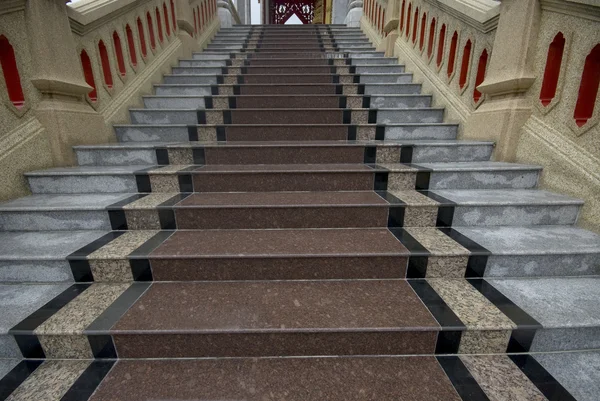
47 245
418 378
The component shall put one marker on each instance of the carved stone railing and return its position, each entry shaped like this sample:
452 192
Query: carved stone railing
69 71
228 13
523 73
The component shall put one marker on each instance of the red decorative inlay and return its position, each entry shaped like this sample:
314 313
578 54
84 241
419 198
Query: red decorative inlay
588 89
159 26
441 42
422 35
151 30
552 70
104 60
88 74
464 65
167 24
10 71
140 28
173 15
452 54
402 16
119 54
481 66
408 20
431 37
415 24
131 45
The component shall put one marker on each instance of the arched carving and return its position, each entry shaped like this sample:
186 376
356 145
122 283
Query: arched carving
10 71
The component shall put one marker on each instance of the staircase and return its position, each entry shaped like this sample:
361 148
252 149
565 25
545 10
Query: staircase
290 218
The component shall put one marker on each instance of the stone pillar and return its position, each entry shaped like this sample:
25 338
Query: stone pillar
390 28
225 14
355 12
185 23
509 75
67 117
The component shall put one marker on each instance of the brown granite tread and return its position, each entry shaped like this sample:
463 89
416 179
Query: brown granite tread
278 243
281 254
290 379
275 168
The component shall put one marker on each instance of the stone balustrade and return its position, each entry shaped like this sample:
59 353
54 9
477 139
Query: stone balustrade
69 71
523 73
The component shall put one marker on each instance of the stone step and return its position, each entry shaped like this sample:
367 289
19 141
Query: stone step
306 317
418 378
398 208
534 250
288 101
315 61
290 69
291 54
287 88
287 132
255 152
40 256
287 115
288 78
282 177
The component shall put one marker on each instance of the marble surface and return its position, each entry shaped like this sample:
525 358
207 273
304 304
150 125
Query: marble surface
74 317
6 366
18 301
63 202
577 372
472 308
50 381
555 302
501 379
279 379
48 245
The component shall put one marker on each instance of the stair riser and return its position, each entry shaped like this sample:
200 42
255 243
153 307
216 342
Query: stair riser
268 182
400 102
9 348
483 179
211 55
150 134
274 68
242 116
410 116
281 217
416 132
404 89
287 89
190 79
432 154
315 61
542 265
83 184
174 102
284 133
515 215
115 157
312 268
197 70
59 220
202 63
182 90
255 345
275 155
34 271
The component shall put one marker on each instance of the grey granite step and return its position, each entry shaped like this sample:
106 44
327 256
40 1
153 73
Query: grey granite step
17 302
429 151
537 250
190 116
218 62
375 102
59 212
481 175
84 179
578 372
566 308
40 256
378 88
179 133
196 70
511 207
136 153
410 115
196 79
